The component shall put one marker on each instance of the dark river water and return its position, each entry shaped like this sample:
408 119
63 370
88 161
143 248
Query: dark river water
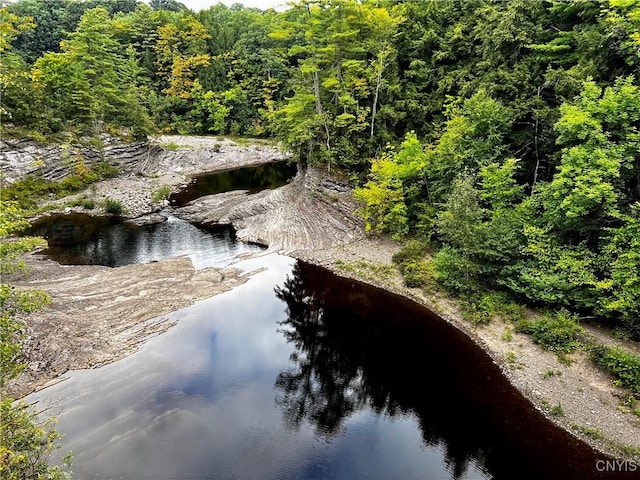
299 374
254 179
296 374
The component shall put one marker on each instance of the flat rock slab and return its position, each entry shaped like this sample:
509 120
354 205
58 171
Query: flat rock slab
100 314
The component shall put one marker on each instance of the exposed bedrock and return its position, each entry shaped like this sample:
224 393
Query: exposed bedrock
312 212
20 157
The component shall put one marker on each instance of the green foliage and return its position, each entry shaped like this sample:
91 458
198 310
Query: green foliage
103 170
473 137
621 290
90 82
11 249
417 274
599 133
30 190
411 251
173 146
337 99
455 271
392 186
161 193
480 307
557 411
113 207
411 260
13 301
551 373
623 365
511 146
26 442
86 203
512 360
366 270
553 273
557 332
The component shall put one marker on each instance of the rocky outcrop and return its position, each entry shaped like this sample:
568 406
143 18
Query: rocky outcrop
312 212
187 156
20 157
143 167
100 314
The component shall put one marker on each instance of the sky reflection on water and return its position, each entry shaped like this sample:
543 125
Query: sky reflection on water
299 374
198 402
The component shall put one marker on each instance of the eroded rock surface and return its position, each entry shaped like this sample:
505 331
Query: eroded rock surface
312 212
100 314
143 167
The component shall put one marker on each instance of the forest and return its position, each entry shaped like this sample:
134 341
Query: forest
501 135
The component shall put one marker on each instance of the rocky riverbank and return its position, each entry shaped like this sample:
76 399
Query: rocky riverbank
144 168
100 314
313 219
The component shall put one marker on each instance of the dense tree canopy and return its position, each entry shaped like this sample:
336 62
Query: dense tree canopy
504 132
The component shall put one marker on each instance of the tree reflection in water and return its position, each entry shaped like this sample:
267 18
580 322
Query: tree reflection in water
358 347
356 351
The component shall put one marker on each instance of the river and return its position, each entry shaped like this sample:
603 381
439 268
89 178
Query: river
299 374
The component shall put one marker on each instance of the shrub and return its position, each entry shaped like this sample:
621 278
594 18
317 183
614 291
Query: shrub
105 170
413 250
161 193
623 365
416 274
410 260
456 271
480 307
473 312
114 207
30 189
171 146
86 203
556 332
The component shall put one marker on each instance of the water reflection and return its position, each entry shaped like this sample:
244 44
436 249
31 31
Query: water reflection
359 349
368 387
77 239
254 179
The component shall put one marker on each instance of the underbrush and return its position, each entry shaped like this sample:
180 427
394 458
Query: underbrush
623 365
29 191
415 269
161 193
114 207
556 331
480 307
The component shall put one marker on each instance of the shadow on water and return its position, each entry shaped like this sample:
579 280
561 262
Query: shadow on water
254 179
358 347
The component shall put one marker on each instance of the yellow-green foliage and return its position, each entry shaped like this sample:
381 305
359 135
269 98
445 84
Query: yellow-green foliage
12 220
161 193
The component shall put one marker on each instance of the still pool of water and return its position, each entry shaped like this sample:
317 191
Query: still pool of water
76 239
254 179
299 374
